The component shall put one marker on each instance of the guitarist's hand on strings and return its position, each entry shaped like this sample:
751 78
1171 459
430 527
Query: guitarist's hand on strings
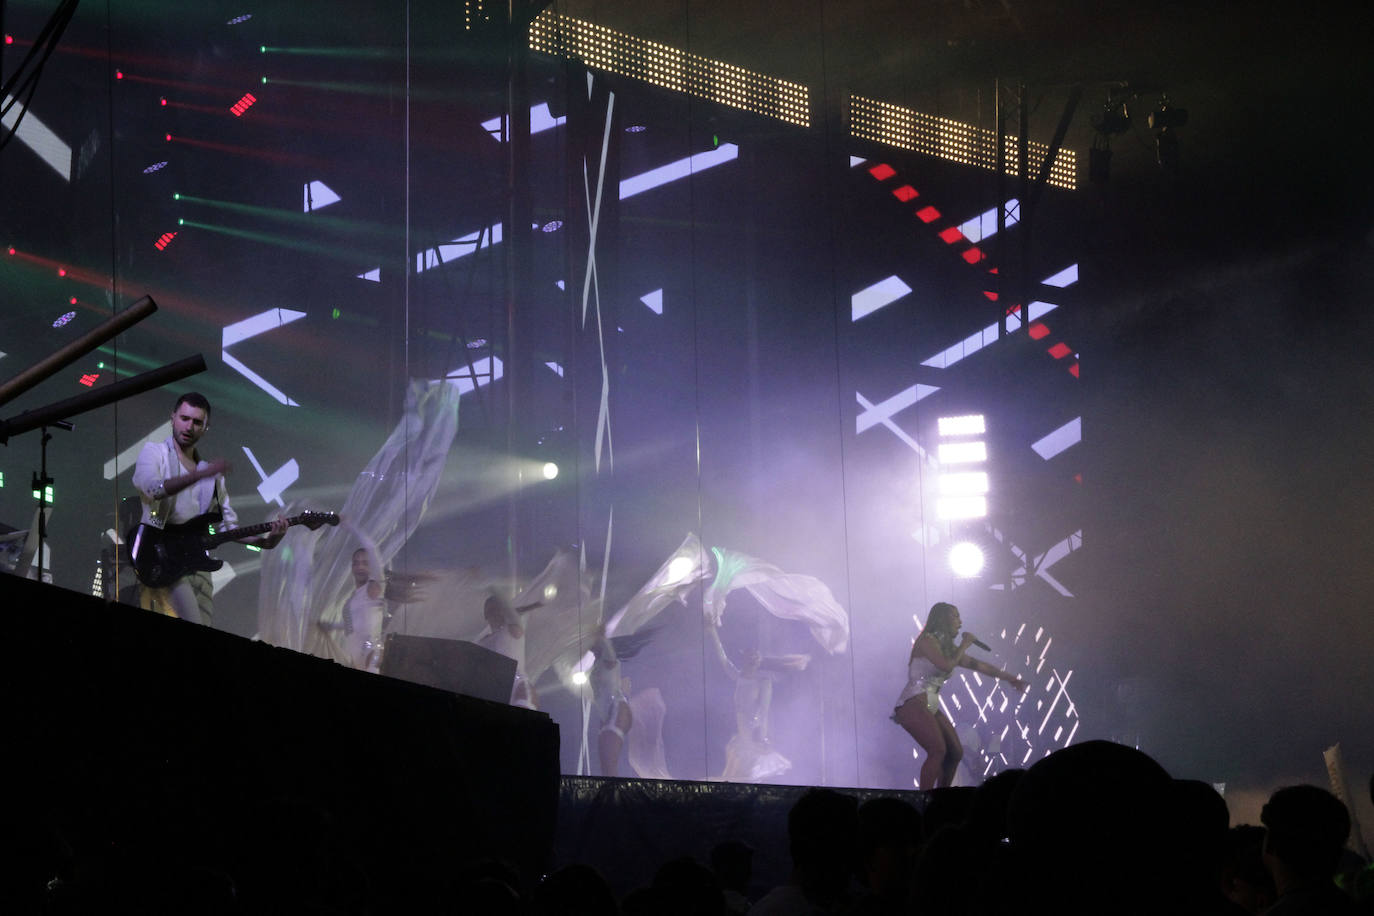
274 534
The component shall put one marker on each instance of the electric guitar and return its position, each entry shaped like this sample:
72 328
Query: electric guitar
163 555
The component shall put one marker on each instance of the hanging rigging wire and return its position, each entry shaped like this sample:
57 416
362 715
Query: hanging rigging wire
24 81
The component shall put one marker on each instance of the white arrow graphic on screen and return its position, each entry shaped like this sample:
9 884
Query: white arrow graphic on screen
251 327
273 484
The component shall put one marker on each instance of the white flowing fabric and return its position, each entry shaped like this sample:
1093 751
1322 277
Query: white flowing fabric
308 577
683 569
644 743
789 596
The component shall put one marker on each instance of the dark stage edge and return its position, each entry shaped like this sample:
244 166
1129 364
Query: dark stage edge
144 743
627 828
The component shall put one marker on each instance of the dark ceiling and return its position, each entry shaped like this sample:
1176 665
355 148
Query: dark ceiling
1273 89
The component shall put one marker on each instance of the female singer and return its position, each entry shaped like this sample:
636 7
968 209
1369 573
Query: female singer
934 656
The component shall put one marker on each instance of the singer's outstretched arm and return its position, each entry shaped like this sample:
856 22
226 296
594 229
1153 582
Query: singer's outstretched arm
982 667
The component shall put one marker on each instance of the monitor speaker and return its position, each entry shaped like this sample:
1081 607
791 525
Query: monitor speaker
450 664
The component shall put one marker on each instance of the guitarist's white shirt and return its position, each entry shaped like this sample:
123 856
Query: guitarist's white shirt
158 461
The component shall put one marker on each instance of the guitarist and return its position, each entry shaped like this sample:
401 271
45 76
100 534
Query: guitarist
176 485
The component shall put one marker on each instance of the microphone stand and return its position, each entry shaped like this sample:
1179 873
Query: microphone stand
41 482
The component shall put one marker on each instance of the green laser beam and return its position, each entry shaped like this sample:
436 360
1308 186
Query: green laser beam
381 90
298 217
283 241
361 53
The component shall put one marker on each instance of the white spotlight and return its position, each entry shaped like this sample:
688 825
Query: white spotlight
966 559
579 677
678 570
550 470
550 592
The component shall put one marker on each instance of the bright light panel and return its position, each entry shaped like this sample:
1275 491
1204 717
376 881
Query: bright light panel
964 483
971 425
962 452
955 508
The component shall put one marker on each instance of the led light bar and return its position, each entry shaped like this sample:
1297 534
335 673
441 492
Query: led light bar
962 452
661 65
964 483
893 125
971 425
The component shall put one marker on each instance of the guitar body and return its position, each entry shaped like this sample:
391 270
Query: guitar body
163 555
160 556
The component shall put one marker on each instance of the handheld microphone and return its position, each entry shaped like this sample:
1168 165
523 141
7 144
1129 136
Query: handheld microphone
982 645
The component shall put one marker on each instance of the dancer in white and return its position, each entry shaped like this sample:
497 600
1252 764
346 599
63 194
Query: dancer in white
749 757
302 591
506 635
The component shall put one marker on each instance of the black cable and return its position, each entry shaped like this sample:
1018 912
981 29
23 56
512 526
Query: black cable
47 39
44 41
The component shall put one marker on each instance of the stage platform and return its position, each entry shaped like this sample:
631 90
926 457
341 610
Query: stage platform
158 748
154 746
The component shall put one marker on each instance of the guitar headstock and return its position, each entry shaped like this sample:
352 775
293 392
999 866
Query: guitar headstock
315 520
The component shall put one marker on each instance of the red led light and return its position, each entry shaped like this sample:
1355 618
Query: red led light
882 172
930 215
72 300
1073 370
973 255
119 74
89 379
167 137
11 249
950 234
164 240
162 101
904 193
9 39
1060 350
243 104
61 271
1038 330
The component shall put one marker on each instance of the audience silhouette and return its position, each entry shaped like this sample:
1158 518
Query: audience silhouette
1094 828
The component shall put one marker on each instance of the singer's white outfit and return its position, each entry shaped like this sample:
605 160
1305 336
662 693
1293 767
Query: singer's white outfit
923 678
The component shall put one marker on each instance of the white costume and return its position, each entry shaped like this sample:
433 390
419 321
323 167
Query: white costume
363 618
923 677
191 596
502 640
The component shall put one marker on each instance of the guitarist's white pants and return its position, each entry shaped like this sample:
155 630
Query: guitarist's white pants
189 598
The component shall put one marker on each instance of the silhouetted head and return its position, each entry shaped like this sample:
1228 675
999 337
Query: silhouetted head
1089 824
733 863
1306 828
574 889
821 832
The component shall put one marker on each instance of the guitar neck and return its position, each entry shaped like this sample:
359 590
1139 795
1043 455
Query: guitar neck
247 531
